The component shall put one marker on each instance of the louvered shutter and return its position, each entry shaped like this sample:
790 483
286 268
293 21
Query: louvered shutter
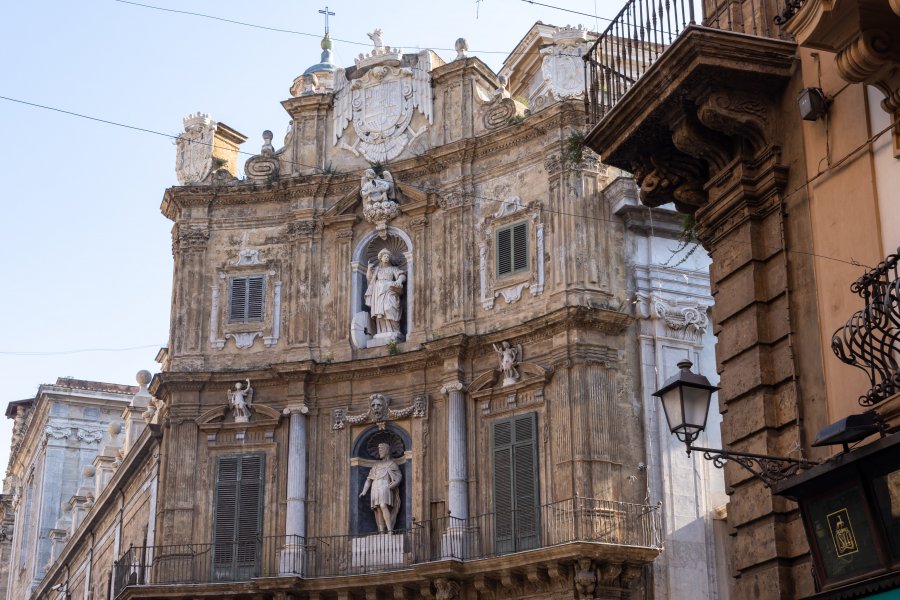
504 252
238 517
237 299
526 483
520 247
246 299
516 492
504 538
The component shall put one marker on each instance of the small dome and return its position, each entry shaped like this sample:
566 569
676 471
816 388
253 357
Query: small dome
325 64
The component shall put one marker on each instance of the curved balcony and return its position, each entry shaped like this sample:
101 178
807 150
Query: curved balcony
563 531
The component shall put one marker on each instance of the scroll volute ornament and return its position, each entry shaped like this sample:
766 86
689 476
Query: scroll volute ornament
665 177
745 115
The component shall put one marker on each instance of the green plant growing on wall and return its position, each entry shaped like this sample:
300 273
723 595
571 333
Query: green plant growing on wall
574 149
688 243
392 348
219 163
377 167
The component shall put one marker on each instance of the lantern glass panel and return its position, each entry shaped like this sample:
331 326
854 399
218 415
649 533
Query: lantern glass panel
696 406
671 401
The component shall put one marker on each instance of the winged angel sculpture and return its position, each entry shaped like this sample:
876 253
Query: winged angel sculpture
381 104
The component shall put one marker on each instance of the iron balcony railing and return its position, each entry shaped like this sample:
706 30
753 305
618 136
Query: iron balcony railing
644 29
870 340
448 538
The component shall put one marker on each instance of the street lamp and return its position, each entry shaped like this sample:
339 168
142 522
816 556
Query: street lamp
686 398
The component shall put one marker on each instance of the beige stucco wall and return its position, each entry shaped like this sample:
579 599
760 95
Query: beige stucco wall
844 216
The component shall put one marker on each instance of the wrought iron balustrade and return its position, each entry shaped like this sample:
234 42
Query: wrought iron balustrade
447 538
644 29
870 340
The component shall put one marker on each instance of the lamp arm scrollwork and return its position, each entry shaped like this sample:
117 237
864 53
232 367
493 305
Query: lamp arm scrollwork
769 469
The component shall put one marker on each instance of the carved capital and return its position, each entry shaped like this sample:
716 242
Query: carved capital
306 228
454 386
189 239
295 409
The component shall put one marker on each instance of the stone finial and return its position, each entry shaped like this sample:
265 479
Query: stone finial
143 398
114 429
267 148
461 47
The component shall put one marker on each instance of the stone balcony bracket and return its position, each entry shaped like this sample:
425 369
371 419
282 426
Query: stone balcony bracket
703 112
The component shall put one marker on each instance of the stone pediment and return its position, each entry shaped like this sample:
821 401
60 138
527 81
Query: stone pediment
217 418
531 374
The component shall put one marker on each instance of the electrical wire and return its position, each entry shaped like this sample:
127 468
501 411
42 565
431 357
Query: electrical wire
361 170
369 44
76 351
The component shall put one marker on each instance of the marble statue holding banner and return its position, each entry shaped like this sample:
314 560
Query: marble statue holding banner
383 485
241 400
385 286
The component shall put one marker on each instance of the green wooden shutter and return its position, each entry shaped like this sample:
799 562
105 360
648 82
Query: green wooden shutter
237 517
511 248
255 287
516 491
520 247
237 299
525 480
246 299
504 252
504 506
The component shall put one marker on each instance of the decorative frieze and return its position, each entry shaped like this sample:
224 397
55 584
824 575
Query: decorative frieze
379 412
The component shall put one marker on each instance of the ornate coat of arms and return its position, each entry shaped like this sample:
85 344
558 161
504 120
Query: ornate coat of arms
562 65
194 147
381 104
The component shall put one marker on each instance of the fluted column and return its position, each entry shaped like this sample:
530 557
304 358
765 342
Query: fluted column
457 469
295 519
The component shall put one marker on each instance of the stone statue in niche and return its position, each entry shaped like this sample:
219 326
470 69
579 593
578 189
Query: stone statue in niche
241 400
509 358
385 287
383 484
379 199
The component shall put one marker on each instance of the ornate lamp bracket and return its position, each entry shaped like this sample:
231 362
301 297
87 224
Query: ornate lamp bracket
768 469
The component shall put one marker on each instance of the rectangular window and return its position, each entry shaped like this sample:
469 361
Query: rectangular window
238 512
516 491
511 245
245 299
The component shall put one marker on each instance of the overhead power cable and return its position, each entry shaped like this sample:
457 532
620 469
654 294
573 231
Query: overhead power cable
360 171
647 28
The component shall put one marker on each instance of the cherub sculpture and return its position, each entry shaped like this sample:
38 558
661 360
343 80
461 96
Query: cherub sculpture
379 204
241 400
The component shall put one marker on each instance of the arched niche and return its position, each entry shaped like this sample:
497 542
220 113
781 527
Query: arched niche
401 248
363 455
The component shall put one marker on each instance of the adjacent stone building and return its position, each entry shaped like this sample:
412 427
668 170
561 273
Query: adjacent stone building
64 447
775 126
410 356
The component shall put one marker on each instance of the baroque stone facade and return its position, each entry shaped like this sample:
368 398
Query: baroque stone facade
405 356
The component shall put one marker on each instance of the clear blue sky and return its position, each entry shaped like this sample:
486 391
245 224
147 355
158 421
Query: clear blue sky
88 255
